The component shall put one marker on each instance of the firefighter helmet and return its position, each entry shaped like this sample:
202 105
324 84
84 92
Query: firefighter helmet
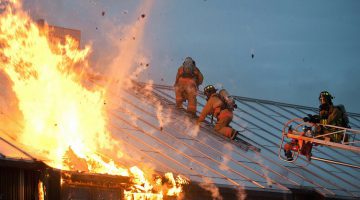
188 68
325 97
188 61
208 90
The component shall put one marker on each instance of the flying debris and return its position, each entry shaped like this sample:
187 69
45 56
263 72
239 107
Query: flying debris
143 16
103 13
252 52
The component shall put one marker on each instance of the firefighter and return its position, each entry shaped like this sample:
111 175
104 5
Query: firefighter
188 79
328 115
216 107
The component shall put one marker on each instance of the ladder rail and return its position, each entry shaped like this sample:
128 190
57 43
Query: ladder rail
296 134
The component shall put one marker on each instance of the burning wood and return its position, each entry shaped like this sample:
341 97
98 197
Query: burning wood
95 180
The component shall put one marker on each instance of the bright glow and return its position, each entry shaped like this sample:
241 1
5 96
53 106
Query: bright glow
64 120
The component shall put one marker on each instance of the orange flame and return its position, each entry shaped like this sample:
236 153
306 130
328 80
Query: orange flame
41 190
64 122
175 190
55 106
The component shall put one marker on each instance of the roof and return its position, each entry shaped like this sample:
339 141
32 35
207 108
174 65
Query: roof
148 123
11 150
152 131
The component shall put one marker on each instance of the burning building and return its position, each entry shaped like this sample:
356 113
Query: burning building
216 167
57 34
59 117
62 138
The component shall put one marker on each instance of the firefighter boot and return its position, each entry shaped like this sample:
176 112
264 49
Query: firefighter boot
288 155
234 134
192 114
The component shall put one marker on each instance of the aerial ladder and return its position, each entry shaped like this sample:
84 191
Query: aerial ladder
301 132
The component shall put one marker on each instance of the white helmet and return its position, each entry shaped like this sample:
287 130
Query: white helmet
189 61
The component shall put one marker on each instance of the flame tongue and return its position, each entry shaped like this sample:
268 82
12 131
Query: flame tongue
58 111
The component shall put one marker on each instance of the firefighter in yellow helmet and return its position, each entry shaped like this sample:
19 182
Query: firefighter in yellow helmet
328 115
216 106
188 79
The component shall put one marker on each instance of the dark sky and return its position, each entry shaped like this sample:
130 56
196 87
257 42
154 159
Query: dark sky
280 50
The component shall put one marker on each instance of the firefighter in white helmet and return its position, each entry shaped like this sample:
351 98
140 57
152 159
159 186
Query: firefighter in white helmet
188 79
217 107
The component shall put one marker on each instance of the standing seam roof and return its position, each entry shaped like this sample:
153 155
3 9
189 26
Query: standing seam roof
143 117
260 123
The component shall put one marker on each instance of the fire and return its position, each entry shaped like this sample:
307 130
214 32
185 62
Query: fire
55 106
141 185
63 119
41 190
176 183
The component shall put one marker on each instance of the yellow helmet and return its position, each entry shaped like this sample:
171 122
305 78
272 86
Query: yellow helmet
325 97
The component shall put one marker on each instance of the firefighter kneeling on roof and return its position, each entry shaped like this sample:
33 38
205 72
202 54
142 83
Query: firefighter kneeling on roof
188 79
218 106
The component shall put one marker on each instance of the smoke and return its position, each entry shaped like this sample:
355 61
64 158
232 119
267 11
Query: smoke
143 63
228 147
208 185
115 32
241 194
162 119
190 128
224 164
266 172
128 50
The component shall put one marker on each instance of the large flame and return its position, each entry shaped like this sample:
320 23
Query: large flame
63 121
54 104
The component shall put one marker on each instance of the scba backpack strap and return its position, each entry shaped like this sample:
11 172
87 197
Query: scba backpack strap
344 121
